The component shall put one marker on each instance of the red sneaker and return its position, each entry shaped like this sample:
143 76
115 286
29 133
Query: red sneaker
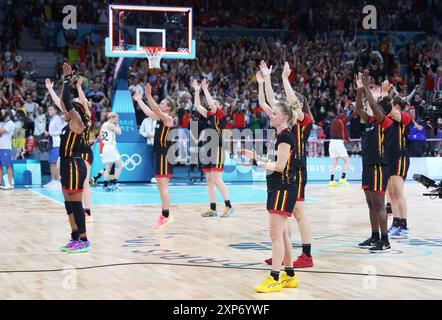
303 261
268 261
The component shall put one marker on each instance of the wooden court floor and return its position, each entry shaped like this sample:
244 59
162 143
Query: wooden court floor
214 258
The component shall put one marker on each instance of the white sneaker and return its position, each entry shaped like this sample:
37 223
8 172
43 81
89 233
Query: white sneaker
7 187
49 184
153 180
55 185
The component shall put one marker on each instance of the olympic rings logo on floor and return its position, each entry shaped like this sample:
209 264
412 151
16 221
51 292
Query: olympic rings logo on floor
130 163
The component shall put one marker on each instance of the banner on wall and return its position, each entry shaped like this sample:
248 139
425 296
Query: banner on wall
137 160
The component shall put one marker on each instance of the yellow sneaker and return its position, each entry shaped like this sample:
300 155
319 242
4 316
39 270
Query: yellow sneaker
333 183
343 181
287 281
268 285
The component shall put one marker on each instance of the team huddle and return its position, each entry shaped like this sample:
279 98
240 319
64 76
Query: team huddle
384 155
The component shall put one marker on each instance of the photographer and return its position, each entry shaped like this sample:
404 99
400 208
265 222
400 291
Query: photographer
6 130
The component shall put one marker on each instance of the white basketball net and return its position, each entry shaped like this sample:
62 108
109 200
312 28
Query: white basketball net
154 55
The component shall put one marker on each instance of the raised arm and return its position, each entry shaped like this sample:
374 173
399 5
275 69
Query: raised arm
55 98
266 74
82 96
167 119
147 111
198 105
209 99
261 95
377 111
359 104
292 98
76 124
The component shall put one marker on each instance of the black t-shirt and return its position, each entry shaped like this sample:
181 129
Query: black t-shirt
400 130
376 139
71 143
161 142
301 131
287 176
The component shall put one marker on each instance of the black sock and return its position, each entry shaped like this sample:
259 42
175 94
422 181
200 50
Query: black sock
332 177
343 175
275 275
84 239
403 223
388 208
306 249
75 235
375 235
106 183
98 176
228 204
213 206
396 222
165 213
290 271
88 212
114 181
384 238
80 219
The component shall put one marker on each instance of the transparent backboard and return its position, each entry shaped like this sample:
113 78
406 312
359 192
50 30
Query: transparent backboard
133 27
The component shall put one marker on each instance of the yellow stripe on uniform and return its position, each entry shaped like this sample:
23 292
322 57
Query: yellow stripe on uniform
70 175
375 179
404 166
221 157
300 183
277 200
284 199
76 176
399 167
380 179
74 139
67 143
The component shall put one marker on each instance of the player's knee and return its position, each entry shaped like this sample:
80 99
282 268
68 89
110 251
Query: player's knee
297 215
275 235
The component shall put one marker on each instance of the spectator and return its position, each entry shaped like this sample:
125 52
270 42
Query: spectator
56 125
40 122
6 132
31 111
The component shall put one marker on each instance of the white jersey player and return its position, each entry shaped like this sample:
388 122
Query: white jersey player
109 152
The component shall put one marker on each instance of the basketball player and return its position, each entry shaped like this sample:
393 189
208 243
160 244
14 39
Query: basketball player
400 162
213 170
163 114
281 199
109 152
301 130
94 179
73 169
376 139
87 153
338 132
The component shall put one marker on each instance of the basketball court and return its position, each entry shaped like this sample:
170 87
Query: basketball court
202 258
210 258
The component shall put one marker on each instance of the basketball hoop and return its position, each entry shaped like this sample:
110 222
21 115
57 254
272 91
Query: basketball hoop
154 55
